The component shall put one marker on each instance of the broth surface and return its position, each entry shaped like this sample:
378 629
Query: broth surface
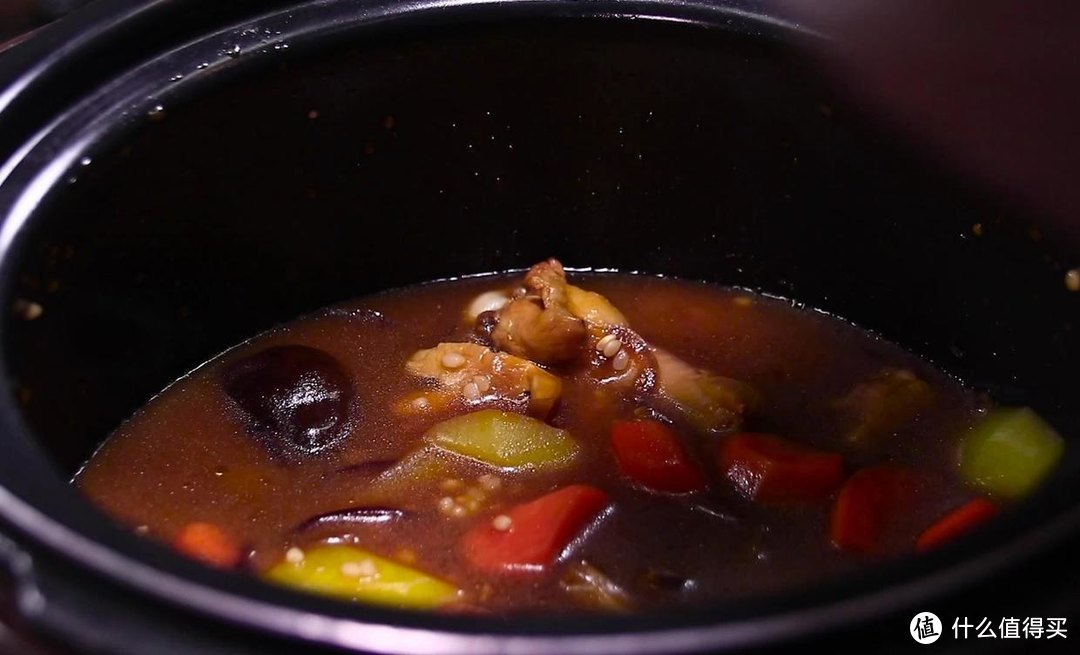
190 455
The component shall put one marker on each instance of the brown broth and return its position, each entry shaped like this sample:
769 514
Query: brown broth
186 456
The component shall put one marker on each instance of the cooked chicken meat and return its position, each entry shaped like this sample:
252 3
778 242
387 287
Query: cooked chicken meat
710 402
477 374
885 403
553 322
539 325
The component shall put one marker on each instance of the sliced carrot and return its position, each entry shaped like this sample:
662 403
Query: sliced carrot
956 523
769 469
209 544
536 533
649 453
866 506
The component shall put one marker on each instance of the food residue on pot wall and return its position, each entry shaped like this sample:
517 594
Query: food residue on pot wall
1072 280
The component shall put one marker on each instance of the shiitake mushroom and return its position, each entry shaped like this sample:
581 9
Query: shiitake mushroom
296 399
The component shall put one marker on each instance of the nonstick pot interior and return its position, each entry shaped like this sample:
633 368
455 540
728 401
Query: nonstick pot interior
259 173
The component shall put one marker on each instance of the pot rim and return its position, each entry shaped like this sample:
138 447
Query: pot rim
47 512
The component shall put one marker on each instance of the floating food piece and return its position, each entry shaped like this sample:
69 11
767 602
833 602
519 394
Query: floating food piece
867 506
423 468
539 326
590 587
710 402
594 309
769 469
1009 452
649 453
489 301
885 403
296 399
209 544
956 523
477 374
504 439
535 533
355 574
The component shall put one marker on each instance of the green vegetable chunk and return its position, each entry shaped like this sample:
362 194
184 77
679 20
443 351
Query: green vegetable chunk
355 574
504 439
1009 452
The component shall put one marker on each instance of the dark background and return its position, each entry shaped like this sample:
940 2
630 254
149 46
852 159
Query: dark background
17 18
20 16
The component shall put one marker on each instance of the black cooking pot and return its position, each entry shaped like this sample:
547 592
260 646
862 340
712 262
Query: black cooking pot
178 175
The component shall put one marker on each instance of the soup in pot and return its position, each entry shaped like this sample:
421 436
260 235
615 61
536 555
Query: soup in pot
563 442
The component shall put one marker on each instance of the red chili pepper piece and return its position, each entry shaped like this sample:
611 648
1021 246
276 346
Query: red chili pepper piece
956 523
536 533
649 453
771 469
867 505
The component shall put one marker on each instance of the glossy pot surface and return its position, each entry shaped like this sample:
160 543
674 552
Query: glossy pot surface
180 175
